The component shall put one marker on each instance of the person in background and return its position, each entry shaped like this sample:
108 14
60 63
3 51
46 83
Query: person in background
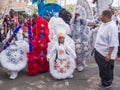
25 31
13 17
116 19
6 24
47 17
0 36
1 28
115 16
106 49
34 19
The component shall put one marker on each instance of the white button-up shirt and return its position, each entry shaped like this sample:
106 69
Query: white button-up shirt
107 37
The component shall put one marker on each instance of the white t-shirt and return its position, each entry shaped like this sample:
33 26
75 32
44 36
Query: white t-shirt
107 37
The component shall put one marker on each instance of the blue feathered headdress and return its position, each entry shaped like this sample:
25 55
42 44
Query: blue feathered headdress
34 1
50 9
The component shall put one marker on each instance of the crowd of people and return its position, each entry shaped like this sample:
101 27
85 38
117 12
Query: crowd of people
60 44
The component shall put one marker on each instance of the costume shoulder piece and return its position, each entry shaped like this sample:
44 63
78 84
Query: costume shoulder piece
102 5
81 11
84 4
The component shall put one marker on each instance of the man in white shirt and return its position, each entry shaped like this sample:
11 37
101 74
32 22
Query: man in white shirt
106 47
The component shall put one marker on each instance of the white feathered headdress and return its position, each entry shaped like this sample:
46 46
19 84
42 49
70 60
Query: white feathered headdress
57 25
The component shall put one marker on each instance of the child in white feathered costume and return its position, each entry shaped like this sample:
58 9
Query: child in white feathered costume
14 57
61 51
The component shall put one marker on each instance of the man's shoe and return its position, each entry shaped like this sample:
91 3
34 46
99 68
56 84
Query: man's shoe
104 87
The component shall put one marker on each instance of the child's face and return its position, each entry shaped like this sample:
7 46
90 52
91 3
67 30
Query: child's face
61 39
25 33
42 31
13 27
25 24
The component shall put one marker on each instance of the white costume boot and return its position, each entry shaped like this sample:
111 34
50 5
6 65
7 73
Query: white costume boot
80 68
13 75
70 77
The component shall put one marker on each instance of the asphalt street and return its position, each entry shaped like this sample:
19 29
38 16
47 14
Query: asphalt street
86 80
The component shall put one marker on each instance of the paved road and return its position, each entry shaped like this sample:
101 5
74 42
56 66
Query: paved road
86 80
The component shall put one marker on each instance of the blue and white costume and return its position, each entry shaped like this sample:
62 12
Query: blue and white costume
14 57
81 33
81 36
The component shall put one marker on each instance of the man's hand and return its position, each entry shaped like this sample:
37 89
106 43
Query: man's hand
108 58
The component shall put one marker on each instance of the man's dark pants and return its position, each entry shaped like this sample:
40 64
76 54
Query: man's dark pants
106 69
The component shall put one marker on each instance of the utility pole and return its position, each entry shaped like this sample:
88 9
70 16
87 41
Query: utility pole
65 4
59 2
118 3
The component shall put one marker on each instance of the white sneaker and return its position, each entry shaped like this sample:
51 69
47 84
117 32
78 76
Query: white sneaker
71 76
13 75
80 68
